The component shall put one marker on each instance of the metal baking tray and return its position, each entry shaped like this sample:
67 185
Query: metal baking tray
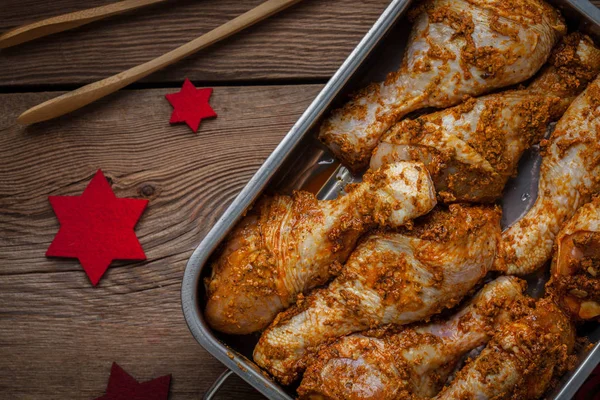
301 162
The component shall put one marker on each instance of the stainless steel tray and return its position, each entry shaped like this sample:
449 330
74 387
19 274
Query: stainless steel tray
301 162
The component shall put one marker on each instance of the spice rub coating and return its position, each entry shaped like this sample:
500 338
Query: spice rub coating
456 48
575 279
471 150
569 175
289 244
391 277
521 360
410 362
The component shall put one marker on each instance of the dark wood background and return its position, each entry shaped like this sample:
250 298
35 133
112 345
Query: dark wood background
59 335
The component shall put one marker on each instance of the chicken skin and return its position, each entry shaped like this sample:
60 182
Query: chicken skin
576 266
521 359
405 363
391 277
287 245
472 149
569 175
456 48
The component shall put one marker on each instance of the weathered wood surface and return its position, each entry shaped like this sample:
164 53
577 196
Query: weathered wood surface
309 41
59 335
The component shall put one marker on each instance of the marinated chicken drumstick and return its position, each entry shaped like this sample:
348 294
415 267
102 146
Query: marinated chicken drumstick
456 48
576 266
398 363
390 278
287 245
569 174
520 361
472 149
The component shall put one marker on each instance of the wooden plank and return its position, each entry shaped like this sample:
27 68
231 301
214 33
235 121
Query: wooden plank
58 334
308 41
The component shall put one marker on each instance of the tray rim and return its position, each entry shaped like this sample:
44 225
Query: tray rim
201 332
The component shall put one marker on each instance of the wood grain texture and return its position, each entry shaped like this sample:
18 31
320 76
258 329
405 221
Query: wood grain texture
308 41
58 334
87 94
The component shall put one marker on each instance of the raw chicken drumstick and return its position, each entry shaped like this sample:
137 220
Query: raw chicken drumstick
390 278
569 175
456 48
520 361
397 363
576 266
472 149
287 245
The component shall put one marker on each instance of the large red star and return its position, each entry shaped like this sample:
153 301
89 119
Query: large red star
190 105
122 386
97 227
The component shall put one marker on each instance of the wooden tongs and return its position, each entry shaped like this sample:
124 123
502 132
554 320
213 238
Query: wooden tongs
89 93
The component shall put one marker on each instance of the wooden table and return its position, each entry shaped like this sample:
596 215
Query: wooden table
58 334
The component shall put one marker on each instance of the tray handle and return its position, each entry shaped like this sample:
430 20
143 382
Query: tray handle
214 389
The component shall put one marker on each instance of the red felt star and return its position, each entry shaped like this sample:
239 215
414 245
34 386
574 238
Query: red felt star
122 386
97 227
190 105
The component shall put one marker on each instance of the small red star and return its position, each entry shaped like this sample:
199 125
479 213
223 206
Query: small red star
122 386
97 227
190 105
